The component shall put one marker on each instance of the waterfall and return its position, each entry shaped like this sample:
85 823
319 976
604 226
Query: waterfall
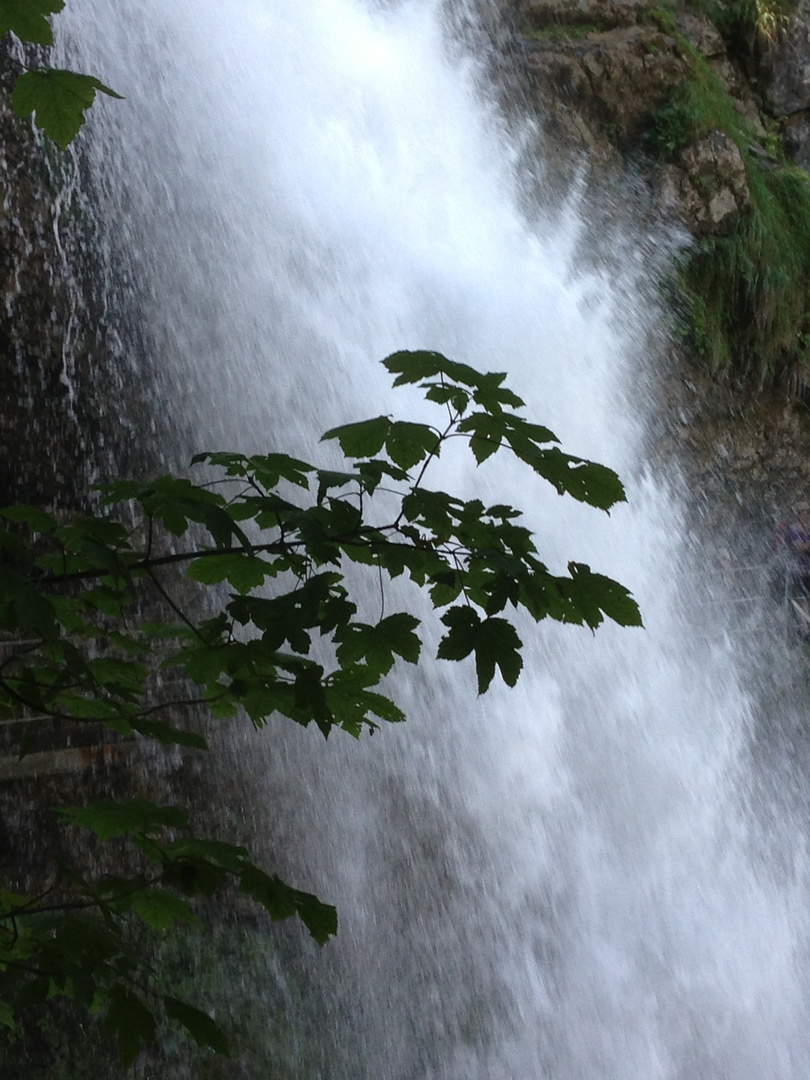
573 879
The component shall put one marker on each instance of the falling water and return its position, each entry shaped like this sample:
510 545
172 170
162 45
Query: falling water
573 879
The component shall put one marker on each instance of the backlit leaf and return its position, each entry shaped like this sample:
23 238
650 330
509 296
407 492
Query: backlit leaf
58 99
28 19
596 596
36 520
378 645
282 901
361 440
129 1020
413 367
161 910
494 641
241 569
409 444
128 816
203 1030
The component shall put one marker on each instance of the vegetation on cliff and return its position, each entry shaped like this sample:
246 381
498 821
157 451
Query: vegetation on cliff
748 291
687 86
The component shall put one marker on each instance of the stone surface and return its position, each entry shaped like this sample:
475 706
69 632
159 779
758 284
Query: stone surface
66 398
701 34
707 188
786 66
716 169
613 79
604 14
797 139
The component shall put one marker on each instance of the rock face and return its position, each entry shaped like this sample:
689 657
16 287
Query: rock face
610 80
707 188
785 76
786 66
65 396
596 72
599 73
601 13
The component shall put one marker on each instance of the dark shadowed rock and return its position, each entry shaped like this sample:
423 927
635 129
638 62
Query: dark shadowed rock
786 66
797 139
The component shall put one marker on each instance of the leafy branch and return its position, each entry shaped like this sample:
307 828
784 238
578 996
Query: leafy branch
262 621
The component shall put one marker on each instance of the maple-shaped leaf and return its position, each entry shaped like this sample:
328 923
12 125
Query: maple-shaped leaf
58 99
28 19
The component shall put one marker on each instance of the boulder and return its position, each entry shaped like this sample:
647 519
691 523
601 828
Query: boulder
707 188
701 34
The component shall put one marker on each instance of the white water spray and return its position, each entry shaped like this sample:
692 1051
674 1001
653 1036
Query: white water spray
557 881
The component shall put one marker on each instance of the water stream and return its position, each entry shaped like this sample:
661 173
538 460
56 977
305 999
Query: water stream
574 879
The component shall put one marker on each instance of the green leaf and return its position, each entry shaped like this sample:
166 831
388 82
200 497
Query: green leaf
486 434
497 644
492 395
447 393
593 594
7 1016
584 480
24 608
203 1030
281 901
28 19
270 468
459 642
228 856
372 473
105 600
243 570
176 501
328 480
36 520
129 1020
361 440
408 444
128 816
412 367
161 910
58 99
494 641
121 491
167 735
378 645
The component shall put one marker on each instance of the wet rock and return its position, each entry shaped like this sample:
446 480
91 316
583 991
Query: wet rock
604 14
707 188
614 80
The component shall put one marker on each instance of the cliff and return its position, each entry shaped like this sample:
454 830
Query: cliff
705 107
